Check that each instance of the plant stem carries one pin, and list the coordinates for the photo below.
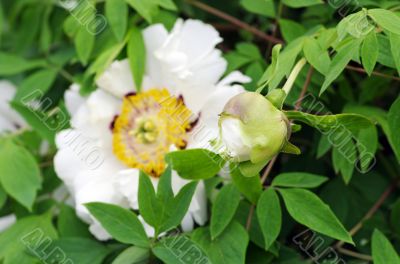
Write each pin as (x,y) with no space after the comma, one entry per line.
(305,87)
(354,254)
(370,212)
(293,75)
(240,24)
(361,70)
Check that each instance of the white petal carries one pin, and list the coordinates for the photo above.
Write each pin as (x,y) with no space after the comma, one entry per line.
(7,92)
(197,39)
(98,231)
(6,125)
(187,223)
(127,182)
(7,221)
(198,206)
(147,228)
(234,77)
(154,36)
(117,79)
(73,100)
(207,129)
(233,139)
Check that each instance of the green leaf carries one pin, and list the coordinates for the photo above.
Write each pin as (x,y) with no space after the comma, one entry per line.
(69,225)
(167,4)
(20,173)
(117,16)
(339,63)
(179,249)
(344,159)
(260,7)
(382,251)
(145,8)
(84,43)
(249,169)
(122,224)
(316,56)
(369,52)
(195,164)
(3,197)
(133,255)
(326,123)
(177,209)
(298,180)
(45,34)
(307,209)
(250,187)
(104,60)
(82,250)
(282,64)
(395,48)
(137,56)
(269,216)
(11,64)
(357,25)
(394,124)
(46,126)
(149,206)
(1,20)
(37,83)
(164,188)
(301,3)
(229,247)
(291,30)
(386,19)
(26,238)
(224,209)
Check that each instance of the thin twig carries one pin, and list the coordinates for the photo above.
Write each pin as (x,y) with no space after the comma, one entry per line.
(235,21)
(305,87)
(268,170)
(263,179)
(266,37)
(361,70)
(355,254)
(250,217)
(46,164)
(370,212)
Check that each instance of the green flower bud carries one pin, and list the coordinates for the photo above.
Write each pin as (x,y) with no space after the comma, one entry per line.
(252,128)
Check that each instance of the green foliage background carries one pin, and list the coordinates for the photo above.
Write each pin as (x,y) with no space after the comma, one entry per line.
(352,54)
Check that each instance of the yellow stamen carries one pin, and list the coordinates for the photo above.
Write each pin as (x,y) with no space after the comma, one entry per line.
(149,124)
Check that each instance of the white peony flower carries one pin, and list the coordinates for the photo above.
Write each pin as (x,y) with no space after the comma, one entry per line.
(115,132)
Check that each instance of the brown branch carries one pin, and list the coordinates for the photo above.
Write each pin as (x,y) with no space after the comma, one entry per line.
(235,21)
(370,212)
(250,217)
(361,70)
(305,87)
(354,254)
(266,37)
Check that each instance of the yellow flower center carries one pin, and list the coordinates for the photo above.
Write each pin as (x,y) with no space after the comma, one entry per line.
(149,124)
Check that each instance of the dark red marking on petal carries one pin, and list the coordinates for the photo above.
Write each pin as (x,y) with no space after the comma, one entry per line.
(130,94)
(112,124)
(180,98)
(194,123)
